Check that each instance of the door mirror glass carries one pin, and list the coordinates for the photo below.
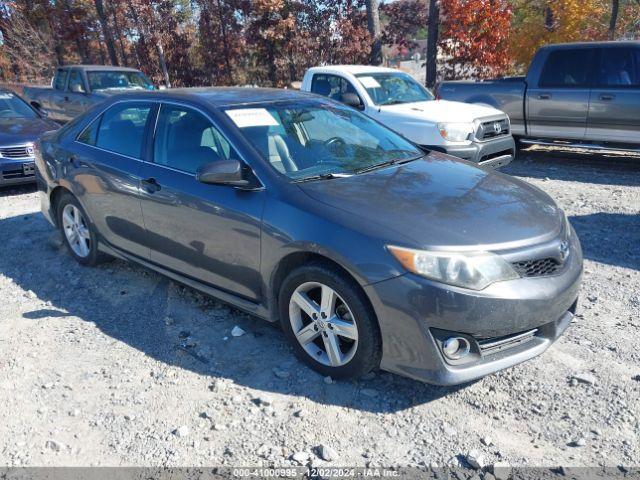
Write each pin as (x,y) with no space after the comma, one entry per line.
(222,172)
(76,88)
(352,100)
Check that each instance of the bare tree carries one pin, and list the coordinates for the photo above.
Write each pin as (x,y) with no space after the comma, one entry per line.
(373,23)
(106,31)
(615,8)
(433,23)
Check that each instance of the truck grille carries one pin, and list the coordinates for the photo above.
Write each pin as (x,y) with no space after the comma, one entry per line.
(493,129)
(537,268)
(24,151)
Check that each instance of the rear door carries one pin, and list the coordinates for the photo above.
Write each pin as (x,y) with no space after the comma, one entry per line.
(105,168)
(558,106)
(614,110)
(207,232)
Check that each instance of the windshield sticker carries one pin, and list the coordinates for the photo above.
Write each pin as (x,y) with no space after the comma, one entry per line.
(369,82)
(6,96)
(251,117)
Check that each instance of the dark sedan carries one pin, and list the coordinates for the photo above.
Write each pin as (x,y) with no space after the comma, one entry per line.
(20,127)
(369,251)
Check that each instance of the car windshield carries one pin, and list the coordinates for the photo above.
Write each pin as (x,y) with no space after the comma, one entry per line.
(107,80)
(308,140)
(390,88)
(11,106)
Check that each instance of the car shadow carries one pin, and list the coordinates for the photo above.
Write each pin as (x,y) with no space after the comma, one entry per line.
(586,167)
(611,238)
(178,326)
(14,190)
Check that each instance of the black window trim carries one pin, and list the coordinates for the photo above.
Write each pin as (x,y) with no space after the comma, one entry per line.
(590,73)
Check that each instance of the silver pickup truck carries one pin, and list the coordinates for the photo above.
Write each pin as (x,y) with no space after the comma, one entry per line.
(584,94)
(75,88)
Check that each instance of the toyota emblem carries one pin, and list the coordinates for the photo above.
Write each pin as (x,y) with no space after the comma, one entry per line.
(30,151)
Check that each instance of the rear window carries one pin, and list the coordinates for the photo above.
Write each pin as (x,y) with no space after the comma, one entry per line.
(568,68)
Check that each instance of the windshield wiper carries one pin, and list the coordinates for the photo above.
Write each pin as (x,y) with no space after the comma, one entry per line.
(322,176)
(393,161)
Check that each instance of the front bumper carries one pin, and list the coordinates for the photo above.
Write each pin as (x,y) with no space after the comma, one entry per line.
(16,172)
(411,309)
(492,153)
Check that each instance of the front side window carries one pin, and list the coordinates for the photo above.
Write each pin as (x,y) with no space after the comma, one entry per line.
(309,139)
(118,80)
(121,129)
(185,139)
(568,68)
(389,88)
(61,79)
(75,82)
(331,86)
(12,106)
(619,67)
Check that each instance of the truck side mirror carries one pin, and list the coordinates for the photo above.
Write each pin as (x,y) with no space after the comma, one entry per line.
(352,100)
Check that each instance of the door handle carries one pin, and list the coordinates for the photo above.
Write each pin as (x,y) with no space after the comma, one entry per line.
(544,96)
(74,161)
(150,185)
(607,97)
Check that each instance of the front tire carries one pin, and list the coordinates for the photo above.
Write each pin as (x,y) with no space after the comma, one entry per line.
(329,322)
(78,233)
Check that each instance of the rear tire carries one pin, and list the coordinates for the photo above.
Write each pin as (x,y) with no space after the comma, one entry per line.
(78,232)
(329,322)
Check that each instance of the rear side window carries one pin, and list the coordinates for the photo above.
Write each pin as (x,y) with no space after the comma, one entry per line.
(185,139)
(619,68)
(61,79)
(568,68)
(121,129)
(75,82)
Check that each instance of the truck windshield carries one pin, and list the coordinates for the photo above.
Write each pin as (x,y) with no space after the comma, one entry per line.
(310,140)
(390,88)
(106,80)
(13,107)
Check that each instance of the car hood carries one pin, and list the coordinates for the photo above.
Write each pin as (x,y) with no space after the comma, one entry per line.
(441,111)
(440,201)
(15,131)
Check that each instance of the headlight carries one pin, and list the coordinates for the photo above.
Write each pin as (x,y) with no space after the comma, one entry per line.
(455,132)
(474,270)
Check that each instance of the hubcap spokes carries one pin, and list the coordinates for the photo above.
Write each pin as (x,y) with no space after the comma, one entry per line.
(323,324)
(76,231)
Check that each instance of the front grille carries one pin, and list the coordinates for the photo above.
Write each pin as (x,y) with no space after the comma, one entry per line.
(537,268)
(496,344)
(16,152)
(493,129)
(23,171)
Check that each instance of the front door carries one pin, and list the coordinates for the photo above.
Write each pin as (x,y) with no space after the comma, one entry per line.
(614,110)
(558,106)
(75,99)
(210,233)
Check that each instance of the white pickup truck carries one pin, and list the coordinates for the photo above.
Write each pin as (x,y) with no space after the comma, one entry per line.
(476,133)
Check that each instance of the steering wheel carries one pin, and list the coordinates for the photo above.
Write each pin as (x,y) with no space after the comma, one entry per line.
(334,142)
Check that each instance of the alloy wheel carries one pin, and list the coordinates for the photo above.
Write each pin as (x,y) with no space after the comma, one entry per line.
(323,324)
(76,230)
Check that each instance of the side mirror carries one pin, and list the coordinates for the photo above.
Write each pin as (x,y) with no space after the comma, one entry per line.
(77,88)
(352,100)
(39,108)
(222,172)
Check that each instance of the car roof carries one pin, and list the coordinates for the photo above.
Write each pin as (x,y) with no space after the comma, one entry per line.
(99,67)
(617,43)
(221,96)
(352,69)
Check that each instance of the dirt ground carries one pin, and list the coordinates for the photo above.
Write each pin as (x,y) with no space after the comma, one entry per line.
(117,365)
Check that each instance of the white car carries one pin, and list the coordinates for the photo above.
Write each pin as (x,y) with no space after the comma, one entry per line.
(477,133)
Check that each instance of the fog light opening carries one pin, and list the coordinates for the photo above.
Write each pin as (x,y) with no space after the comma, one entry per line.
(455,348)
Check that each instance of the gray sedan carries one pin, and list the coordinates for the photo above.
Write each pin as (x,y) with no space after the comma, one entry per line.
(370,252)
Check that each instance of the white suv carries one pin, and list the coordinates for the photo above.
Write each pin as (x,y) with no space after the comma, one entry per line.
(477,133)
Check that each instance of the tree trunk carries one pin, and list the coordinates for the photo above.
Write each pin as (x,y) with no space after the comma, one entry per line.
(432,42)
(106,31)
(119,35)
(163,64)
(223,31)
(373,24)
(615,7)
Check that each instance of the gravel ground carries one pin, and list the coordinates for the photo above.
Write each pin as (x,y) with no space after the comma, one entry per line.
(119,366)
